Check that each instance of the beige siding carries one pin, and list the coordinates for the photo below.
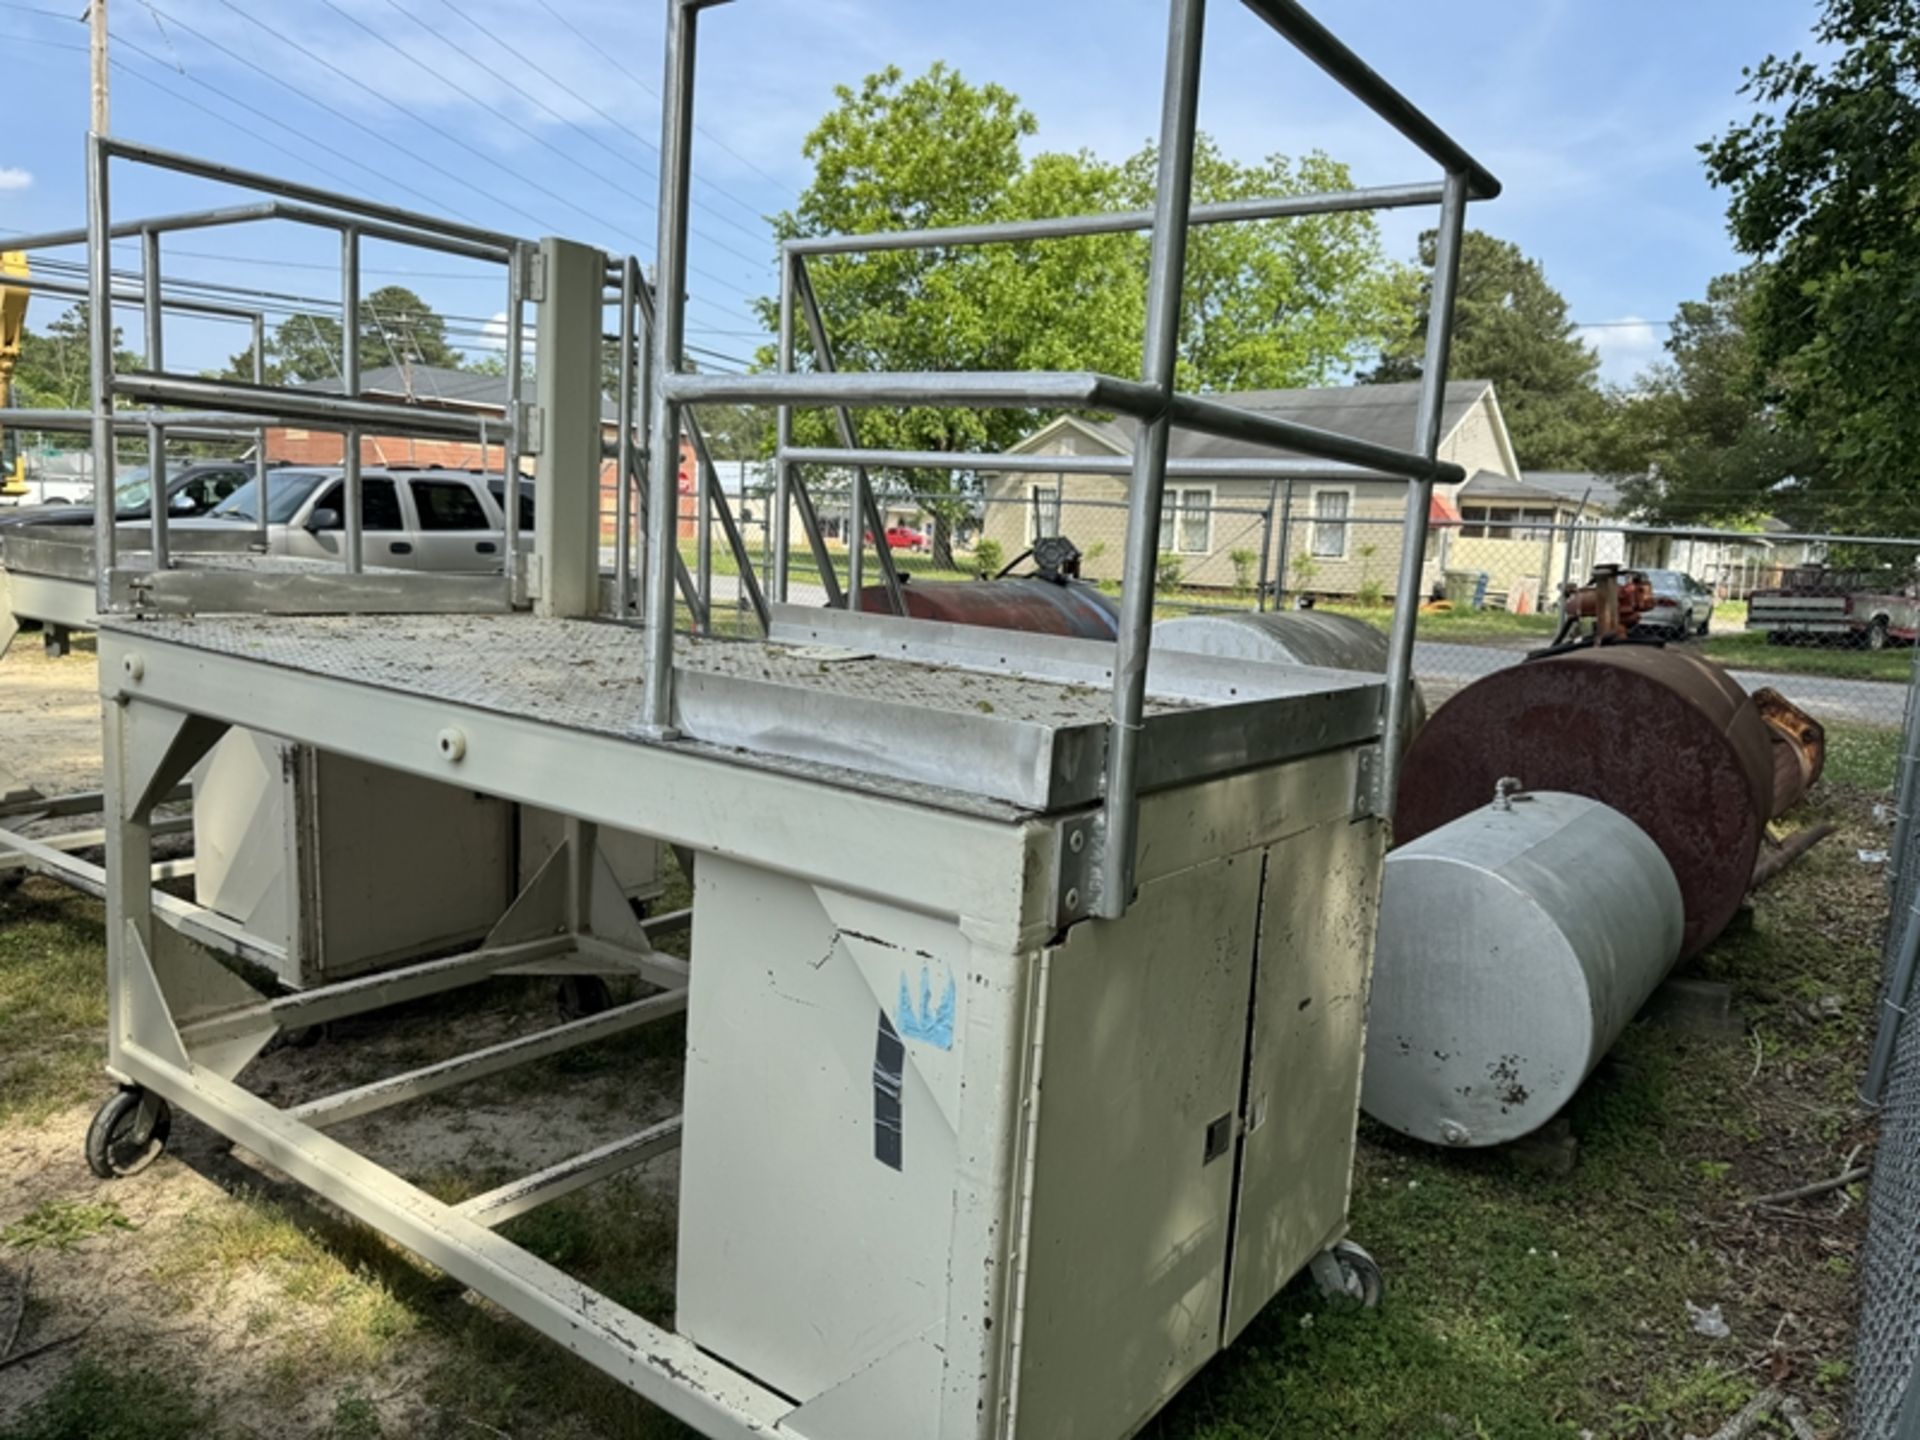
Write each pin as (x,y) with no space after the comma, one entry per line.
(1093,516)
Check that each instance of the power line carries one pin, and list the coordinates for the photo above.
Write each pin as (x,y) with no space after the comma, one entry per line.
(597,49)
(585,134)
(445,134)
(412,59)
(397,107)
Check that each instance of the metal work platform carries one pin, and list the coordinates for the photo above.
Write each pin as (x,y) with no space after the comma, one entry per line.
(977,722)
(1026,1002)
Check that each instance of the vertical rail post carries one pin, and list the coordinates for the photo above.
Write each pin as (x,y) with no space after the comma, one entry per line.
(1173,199)
(1286,539)
(100,361)
(350,383)
(623,461)
(516,421)
(857,537)
(155,327)
(778,522)
(703,525)
(1266,547)
(260,437)
(1413,542)
(643,454)
(670,318)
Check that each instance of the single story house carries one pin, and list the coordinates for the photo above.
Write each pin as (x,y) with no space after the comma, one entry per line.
(1337,533)
(1520,531)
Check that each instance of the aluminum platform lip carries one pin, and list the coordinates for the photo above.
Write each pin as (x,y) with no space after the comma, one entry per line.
(946,734)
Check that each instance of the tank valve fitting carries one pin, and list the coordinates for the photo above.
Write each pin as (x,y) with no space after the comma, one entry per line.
(1504,789)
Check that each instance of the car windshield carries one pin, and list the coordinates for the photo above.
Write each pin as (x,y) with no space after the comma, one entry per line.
(133,489)
(286,493)
(1671,581)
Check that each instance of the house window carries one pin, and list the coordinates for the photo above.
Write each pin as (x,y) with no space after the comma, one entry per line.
(1043,511)
(1330,511)
(1186,519)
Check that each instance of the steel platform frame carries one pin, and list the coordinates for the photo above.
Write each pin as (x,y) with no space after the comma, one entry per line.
(1152,400)
(181,1029)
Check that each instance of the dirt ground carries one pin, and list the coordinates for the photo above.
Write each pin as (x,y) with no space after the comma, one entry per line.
(1526,1297)
(49,717)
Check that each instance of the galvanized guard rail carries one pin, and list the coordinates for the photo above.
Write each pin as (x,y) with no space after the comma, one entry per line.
(1151,400)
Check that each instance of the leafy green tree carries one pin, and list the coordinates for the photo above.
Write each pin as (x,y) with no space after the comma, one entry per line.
(1271,304)
(1511,326)
(52,372)
(1699,438)
(397,327)
(1824,184)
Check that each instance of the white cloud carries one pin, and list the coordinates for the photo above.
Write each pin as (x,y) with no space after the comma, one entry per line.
(1626,346)
(12,177)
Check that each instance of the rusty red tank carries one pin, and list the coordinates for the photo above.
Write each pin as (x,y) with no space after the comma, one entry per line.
(1667,738)
(1033,603)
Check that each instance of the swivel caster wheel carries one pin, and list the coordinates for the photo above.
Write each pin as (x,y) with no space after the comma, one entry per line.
(128,1133)
(1346,1272)
(579,996)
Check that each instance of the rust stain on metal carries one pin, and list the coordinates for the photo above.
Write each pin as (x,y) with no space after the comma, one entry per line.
(1799,749)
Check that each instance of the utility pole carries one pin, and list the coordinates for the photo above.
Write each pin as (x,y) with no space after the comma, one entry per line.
(97,27)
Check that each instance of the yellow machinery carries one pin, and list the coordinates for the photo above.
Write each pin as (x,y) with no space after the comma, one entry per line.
(13,324)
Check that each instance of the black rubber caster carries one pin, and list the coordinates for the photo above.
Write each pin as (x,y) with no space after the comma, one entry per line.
(1348,1273)
(579,996)
(128,1134)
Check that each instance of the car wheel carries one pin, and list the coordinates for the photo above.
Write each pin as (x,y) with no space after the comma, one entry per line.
(1876,636)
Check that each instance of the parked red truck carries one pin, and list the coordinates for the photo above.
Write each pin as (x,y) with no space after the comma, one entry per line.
(1862,607)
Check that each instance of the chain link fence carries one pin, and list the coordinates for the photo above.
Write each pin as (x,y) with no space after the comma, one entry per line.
(1826,620)
(1887,1354)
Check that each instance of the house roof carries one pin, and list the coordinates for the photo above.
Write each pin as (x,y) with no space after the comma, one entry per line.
(1484,485)
(1600,490)
(1383,414)
(437,385)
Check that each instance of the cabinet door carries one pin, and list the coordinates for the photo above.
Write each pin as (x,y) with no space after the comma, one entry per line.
(1139,1080)
(1303,1070)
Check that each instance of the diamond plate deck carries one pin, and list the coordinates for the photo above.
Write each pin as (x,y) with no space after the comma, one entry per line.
(959,736)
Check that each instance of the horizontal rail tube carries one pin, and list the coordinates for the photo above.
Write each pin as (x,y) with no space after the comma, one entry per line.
(1189,412)
(178,422)
(291,190)
(1249,468)
(1321,46)
(496,1207)
(159,224)
(1278,207)
(991,389)
(384,416)
(522,1050)
(204,927)
(78,290)
(370,992)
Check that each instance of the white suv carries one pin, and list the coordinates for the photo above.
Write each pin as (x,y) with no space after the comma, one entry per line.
(445,520)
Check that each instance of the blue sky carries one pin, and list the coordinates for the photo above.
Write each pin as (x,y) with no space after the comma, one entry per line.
(1590,114)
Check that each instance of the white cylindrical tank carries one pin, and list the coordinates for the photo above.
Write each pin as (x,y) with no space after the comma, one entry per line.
(1515,943)
(1319,638)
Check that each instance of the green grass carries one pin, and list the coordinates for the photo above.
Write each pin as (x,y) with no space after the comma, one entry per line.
(95,1402)
(1750,651)
(53,1001)
(63,1223)
(1862,756)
